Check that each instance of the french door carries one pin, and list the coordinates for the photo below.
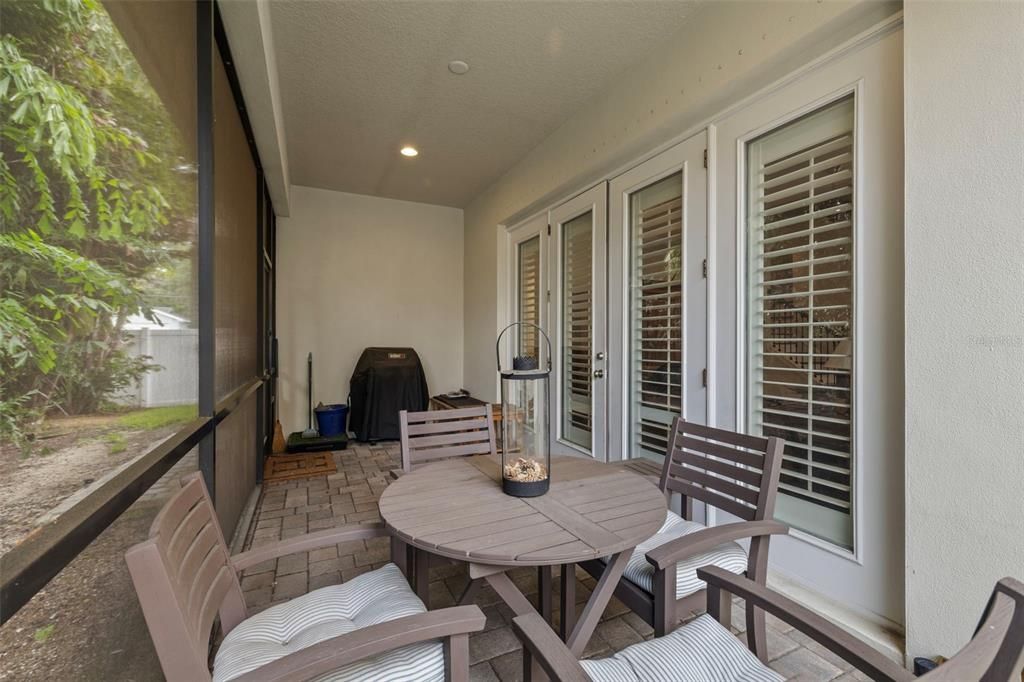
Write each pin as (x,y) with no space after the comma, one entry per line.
(657,313)
(578,324)
(617,278)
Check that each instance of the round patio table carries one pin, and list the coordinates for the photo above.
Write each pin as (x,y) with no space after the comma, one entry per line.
(456,509)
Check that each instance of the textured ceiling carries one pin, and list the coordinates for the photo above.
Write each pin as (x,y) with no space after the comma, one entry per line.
(360,78)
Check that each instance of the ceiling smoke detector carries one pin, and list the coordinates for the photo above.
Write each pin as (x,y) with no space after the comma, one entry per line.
(458,67)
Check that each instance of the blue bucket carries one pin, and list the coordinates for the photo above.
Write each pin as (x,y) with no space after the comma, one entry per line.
(330,419)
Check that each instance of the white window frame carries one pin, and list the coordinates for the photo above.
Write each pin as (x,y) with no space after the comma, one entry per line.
(743,310)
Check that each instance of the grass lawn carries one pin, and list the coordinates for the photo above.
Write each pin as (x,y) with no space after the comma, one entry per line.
(157,417)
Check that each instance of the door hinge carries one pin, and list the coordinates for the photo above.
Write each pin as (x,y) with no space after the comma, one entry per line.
(704,268)
(705,158)
(549,295)
(549,229)
(704,377)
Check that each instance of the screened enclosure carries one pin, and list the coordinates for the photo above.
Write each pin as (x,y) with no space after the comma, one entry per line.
(133,195)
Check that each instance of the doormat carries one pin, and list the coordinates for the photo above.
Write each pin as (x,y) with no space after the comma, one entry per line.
(288,467)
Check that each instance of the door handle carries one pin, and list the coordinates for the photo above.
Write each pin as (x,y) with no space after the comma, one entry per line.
(598,373)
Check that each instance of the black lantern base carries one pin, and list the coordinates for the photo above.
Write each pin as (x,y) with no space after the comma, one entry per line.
(525,488)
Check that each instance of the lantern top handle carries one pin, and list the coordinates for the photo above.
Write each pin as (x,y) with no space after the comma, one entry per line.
(497,344)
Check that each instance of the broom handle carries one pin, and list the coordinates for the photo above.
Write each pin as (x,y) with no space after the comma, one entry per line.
(309,390)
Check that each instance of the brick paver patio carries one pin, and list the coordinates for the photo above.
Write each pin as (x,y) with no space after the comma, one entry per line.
(293,508)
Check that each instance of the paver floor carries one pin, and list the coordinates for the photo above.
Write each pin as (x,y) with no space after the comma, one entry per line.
(293,508)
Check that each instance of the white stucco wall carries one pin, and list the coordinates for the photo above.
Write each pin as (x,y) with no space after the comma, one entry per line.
(964,107)
(357,271)
(727,51)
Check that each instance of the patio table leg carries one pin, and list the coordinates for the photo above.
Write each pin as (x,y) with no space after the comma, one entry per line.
(422,577)
(568,601)
(517,601)
(509,593)
(602,594)
(469,592)
(402,555)
(498,579)
(544,591)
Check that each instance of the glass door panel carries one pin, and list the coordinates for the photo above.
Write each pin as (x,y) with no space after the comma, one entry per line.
(576,340)
(578,262)
(657,299)
(529,296)
(656,314)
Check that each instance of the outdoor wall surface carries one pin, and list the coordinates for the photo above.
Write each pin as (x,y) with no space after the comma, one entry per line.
(357,271)
(964,97)
(727,51)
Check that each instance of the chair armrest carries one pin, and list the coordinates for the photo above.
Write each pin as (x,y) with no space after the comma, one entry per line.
(704,540)
(551,653)
(856,652)
(372,640)
(304,543)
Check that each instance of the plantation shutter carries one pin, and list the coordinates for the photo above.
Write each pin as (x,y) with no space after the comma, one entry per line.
(656,314)
(577,341)
(801,313)
(529,293)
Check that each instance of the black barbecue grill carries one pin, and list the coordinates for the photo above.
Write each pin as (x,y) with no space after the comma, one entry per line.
(385,382)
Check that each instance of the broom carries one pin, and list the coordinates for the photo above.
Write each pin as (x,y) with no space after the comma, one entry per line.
(310,431)
(278,444)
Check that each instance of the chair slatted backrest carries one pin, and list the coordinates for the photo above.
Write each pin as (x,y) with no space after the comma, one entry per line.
(735,472)
(184,578)
(441,434)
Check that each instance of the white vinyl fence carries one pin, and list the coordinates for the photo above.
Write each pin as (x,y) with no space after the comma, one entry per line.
(176,382)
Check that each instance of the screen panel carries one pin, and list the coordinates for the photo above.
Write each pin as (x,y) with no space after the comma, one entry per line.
(235,301)
(235,197)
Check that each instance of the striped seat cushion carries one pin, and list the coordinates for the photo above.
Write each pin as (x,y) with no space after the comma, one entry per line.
(731,556)
(370,598)
(700,651)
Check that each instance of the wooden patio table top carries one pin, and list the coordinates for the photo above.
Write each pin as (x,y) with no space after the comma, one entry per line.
(456,509)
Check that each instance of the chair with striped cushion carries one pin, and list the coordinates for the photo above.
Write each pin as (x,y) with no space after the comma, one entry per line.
(372,627)
(706,650)
(733,472)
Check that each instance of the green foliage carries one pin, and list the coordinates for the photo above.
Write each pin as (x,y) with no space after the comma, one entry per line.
(97,198)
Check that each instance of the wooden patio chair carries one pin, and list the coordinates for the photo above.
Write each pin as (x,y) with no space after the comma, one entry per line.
(442,434)
(373,626)
(734,472)
(706,650)
(432,436)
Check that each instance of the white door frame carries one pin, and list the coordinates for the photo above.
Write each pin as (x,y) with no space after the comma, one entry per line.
(594,200)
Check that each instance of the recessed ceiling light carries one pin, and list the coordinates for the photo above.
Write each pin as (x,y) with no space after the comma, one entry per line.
(409,151)
(458,67)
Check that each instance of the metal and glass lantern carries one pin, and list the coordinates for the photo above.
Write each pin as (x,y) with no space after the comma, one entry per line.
(525,417)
